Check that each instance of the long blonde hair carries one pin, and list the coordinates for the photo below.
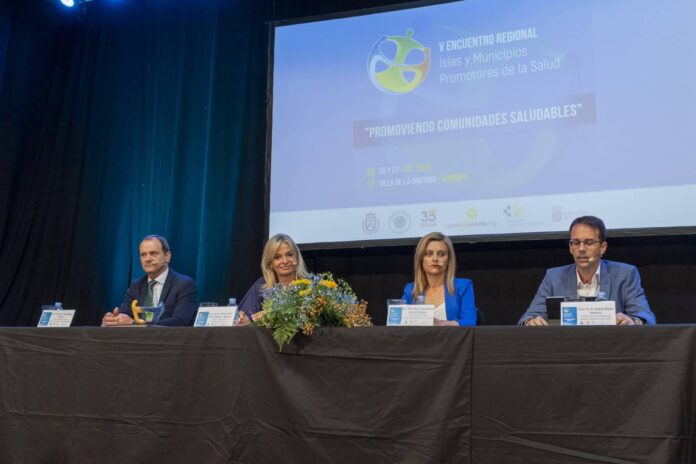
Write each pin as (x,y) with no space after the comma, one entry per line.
(269,251)
(420,281)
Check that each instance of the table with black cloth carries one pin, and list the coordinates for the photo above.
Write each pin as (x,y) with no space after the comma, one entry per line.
(367,395)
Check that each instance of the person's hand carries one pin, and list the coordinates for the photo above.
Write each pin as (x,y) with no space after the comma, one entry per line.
(114,319)
(442,322)
(536,321)
(243,319)
(110,319)
(256,316)
(623,319)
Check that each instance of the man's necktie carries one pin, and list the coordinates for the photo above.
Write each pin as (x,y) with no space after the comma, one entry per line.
(149,299)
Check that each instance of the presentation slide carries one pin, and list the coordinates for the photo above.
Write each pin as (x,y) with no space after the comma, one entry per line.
(484,118)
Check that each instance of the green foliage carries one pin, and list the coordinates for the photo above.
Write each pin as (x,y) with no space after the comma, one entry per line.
(318,301)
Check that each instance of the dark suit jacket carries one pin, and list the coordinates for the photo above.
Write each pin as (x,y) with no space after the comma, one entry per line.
(253,299)
(179,296)
(620,282)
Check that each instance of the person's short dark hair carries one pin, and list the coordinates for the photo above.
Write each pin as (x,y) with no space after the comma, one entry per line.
(162,240)
(593,222)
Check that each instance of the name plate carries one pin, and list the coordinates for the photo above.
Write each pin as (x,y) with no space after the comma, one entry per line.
(56,318)
(410,315)
(588,313)
(216,316)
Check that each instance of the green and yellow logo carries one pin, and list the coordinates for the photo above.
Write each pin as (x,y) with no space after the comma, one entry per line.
(397,65)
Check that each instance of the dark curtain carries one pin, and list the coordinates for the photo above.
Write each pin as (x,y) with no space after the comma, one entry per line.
(123,120)
(135,117)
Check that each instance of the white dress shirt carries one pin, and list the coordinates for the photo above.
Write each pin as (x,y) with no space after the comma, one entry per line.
(157,288)
(591,288)
(440,312)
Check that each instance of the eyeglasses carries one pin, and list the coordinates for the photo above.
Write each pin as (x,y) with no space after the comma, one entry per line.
(590,242)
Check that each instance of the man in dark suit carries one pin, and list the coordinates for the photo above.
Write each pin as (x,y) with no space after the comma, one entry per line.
(160,284)
(591,275)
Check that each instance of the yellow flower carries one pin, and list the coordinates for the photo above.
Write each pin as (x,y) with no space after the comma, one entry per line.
(304,292)
(328,283)
(301,282)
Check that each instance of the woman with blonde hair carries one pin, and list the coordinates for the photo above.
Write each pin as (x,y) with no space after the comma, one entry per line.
(434,283)
(281,263)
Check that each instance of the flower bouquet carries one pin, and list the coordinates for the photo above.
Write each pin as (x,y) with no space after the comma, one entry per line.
(318,301)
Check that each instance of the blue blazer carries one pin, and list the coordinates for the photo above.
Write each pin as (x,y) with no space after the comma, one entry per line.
(620,282)
(460,306)
(179,296)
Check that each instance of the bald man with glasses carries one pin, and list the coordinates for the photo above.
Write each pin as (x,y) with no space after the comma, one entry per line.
(591,275)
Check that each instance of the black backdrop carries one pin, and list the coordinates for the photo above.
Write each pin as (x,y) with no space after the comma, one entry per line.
(136,117)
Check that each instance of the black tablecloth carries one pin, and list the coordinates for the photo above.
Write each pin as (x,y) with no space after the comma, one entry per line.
(369,395)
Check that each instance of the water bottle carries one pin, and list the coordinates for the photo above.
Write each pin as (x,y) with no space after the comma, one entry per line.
(58,306)
(420,299)
(233,302)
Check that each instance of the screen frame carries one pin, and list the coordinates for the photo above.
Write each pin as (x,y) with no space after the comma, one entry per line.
(485,238)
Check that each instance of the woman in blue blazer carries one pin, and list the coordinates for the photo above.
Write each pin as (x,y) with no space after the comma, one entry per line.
(433,266)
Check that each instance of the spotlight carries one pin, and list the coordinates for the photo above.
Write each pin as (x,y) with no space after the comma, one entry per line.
(74,3)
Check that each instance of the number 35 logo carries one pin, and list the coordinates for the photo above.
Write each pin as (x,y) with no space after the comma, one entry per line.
(428,216)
